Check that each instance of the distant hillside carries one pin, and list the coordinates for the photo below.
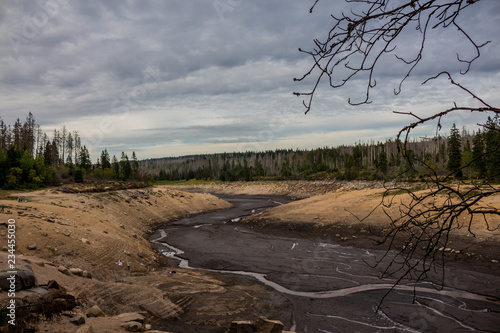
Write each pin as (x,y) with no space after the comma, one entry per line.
(369,161)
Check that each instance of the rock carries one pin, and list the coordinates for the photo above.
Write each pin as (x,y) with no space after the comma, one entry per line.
(85,241)
(95,311)
(494,261)
(14,280)
(27,276)
(32,247)
(52,284)
(122,226)
(76,271)
(86,274)
(22,278)
(85,329)
(264,325)
(132,326)
(67,233)
(63,270)
(241,327)
(78,320)
(131,316)
(57,299)
(70,314)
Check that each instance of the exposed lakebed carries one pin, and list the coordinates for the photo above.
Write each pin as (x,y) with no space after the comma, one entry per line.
(331,287)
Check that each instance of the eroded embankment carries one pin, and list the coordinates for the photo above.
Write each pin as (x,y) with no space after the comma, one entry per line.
(93,231)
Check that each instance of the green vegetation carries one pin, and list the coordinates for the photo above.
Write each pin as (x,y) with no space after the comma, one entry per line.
(443,157)
(29,159)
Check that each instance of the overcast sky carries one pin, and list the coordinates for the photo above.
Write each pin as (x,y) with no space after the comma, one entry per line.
(170,78)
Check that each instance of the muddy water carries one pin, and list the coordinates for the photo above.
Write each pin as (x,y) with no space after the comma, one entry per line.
(333,288)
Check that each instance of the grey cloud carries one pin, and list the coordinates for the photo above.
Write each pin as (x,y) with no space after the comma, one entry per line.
(91,59)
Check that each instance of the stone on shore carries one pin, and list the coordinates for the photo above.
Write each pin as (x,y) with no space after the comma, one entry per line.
(24,278)
(95,311)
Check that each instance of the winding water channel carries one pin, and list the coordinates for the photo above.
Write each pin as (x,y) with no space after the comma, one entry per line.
(332,287)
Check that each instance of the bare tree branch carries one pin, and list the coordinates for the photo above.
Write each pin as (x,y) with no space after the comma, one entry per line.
(421,228)
(357,41)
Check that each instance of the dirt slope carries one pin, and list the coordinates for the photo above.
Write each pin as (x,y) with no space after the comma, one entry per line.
(92,231)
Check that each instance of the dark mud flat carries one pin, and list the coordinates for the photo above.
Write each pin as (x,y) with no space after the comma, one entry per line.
(320,285)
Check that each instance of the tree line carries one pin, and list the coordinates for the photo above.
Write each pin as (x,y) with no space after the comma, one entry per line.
(29,158)
(462,154)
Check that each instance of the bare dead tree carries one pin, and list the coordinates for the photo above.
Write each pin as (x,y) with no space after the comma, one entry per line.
(353,49)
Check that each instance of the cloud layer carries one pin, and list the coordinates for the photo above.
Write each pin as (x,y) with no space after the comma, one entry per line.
(173,78)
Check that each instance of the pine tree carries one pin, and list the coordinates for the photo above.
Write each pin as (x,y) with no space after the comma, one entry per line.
(115,166)
(492,147)
(105,162)
(85,161)
(455,152)
(479,163)
(135,166)
(125,167)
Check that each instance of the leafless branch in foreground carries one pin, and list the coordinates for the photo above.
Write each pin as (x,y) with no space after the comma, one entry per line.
(421,221)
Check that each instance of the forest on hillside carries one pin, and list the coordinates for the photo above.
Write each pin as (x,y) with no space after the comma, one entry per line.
(29,158)
(459,155)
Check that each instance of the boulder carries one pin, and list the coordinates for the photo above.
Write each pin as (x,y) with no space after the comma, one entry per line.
(77,320)
(241,327)
(131,316)
(86,274)
(95,311)
(132,326)
(6,281)
(23,278)
(27,276)
(56,300)
(32,247)
(63,270)
(264,325)
(76,271)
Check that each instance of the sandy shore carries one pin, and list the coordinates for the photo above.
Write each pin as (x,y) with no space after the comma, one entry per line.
(93,231)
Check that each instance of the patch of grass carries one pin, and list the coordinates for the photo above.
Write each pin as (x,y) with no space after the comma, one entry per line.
(52,250)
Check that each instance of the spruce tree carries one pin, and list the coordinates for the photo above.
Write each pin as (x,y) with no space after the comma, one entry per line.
(492,146)
(479,163)
(455,152)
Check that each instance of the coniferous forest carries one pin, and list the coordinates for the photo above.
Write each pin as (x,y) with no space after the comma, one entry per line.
(459,155)
(29,158)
